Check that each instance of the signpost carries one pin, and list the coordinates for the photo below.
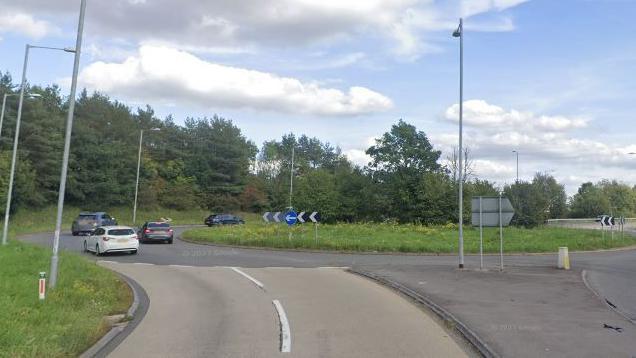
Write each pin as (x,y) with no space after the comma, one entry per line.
(491,211)
(610,221)
(291,217)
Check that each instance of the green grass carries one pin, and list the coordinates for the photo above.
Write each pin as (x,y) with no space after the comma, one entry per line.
(373,237)
(42,220)
(70,319)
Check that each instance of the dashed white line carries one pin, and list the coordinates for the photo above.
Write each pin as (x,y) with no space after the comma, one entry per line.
(334,267)
(285,331)
(180,265)
(142,263)
(107,261)
(255,281)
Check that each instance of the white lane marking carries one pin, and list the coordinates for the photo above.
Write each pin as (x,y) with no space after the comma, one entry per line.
(285,331)
(143,263)
(255,281)
(107,261)
(180,265)
(334,267)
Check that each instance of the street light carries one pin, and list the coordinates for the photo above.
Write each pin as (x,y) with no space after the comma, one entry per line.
(67,145)
(517,153)
(4,102)
(141,138)
(460,33)
(17,134)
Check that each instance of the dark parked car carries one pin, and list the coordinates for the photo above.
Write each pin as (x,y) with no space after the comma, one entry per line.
(208,220)
(227,219)
(86,222)
(156,231)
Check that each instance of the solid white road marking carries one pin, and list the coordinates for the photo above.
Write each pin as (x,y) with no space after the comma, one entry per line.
(143,263)
(180,265)
(334,267)
(255,281)
(285,331)
(107,261)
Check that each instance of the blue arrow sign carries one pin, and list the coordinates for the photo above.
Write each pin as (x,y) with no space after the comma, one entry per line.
(291,217)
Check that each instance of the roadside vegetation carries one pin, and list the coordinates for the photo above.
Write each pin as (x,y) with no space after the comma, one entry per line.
(207,163)
(43,220)
(373,237)
(70,320)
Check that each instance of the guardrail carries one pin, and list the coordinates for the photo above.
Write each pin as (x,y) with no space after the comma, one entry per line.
(586,223)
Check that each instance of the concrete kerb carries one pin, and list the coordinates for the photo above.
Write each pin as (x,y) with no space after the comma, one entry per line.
(98,348)
(482,347)
(603,299)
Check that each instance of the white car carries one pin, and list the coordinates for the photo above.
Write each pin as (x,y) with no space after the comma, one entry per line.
(112,239)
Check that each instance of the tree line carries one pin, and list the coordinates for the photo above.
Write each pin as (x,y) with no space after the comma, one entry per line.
(209,163)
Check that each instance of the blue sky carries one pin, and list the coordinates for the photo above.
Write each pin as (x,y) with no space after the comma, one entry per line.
(551,79)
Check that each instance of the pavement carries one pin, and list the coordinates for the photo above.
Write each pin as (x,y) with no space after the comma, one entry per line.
(531,309)
(229,312)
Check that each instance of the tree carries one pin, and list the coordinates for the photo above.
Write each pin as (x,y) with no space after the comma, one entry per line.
(589,202)
(405,169)
(467,164)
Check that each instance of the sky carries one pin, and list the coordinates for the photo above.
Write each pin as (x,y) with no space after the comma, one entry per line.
(553,80)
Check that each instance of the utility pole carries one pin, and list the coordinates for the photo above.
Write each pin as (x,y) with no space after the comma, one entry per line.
(460,33)
(67,147)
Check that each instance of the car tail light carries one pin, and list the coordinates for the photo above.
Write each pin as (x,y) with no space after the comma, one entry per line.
(169,230)
(105,238)
(147,231)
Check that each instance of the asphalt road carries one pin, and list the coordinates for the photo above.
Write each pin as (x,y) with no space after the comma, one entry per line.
(611,274)
(220,312)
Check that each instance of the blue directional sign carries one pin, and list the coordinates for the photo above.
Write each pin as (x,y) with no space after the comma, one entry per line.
(291,217)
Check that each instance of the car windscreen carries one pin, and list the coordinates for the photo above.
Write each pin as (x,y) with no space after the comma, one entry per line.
(121,232)
(159,225)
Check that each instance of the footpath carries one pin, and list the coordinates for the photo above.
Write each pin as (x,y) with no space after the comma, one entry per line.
(524,311)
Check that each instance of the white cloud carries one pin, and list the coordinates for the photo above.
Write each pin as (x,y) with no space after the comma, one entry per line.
(280,23)
(168,75)
(545,144)
(358,157)
(479,113)
(26,24)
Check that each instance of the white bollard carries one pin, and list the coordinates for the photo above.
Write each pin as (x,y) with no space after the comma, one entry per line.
(564,258)
(42,286)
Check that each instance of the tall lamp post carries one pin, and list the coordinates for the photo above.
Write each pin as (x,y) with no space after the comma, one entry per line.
(67,146)
(460,33)
(517,153)
(141,139)
(18,121)
(4,103)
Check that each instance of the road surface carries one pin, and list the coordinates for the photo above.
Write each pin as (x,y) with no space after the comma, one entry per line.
(229,312)
(611,274)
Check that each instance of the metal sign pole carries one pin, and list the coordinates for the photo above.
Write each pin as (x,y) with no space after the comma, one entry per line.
(500,236)
(481,237)
(316,234)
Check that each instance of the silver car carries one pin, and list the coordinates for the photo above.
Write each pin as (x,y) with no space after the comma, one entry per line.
(86,222)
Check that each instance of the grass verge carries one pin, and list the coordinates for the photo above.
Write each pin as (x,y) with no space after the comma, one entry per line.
(70,320)
(374,237)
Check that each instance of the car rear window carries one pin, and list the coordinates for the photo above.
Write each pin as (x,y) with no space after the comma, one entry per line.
(121,232)
(88,217)
(159,225)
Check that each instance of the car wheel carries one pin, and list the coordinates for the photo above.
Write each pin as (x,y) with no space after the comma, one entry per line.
(85,246)
(74,233)
(97,253)
(133,252)
(170,241)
